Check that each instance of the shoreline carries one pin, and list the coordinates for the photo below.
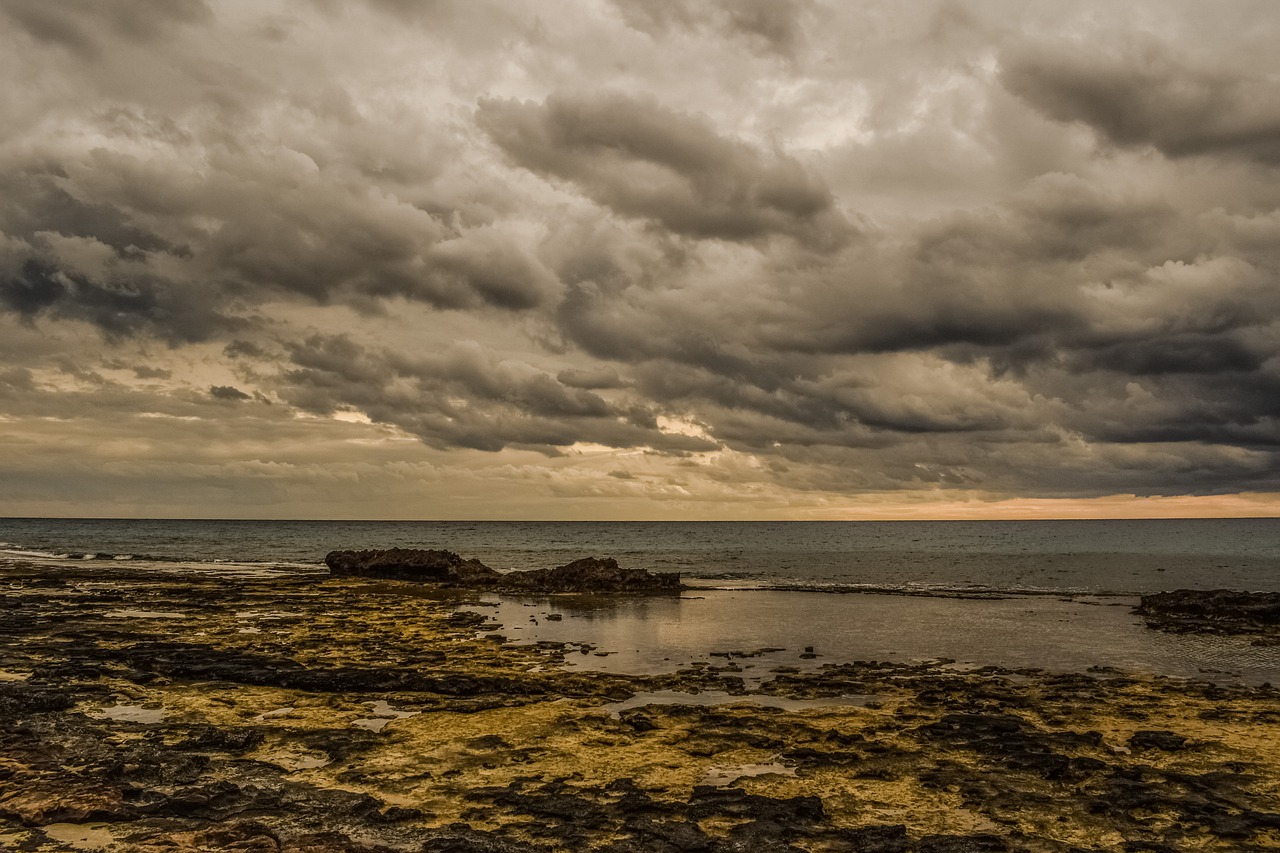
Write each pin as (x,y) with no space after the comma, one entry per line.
(694,582)
(295,713)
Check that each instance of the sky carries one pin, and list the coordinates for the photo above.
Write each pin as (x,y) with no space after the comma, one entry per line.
(639,259)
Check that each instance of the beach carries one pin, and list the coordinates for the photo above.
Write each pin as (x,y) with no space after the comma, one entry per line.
(639,426)
(159,710)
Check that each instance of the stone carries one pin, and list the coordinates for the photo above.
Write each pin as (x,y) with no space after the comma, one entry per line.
(1218,611)
(411,564)
(1162,740)
(590,574)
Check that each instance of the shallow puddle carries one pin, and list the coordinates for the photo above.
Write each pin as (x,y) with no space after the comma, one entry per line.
(383,713)
(130,714)
(80,836)
(760,630)
(295,762)
(728,774)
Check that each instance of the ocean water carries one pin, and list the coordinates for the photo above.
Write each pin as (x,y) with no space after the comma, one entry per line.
(1061,593)
(1099,557)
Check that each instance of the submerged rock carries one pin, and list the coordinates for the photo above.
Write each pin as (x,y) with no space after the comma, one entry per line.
(590,574)
(1216,611)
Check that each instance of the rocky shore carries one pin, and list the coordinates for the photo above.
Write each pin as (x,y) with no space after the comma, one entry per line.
(1214,611)
(590,574)
(142,711)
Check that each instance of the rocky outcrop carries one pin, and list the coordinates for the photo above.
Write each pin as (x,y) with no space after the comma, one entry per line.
(409,564)
(589,574)
(1212,611)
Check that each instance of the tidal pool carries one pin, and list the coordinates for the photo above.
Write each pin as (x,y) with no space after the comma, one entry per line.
(756,631)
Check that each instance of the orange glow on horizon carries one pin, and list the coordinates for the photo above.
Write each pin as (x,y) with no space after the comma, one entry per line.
(1243,505)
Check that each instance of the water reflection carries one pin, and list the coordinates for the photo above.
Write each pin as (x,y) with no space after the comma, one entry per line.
(757,631)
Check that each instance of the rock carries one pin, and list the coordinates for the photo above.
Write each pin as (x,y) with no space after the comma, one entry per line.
(882,838)
(1217,611)
(410,564)
(589,574)
(1014,743)
(1162,740)
(712,801)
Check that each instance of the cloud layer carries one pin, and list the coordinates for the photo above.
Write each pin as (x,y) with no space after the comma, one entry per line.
(635,259)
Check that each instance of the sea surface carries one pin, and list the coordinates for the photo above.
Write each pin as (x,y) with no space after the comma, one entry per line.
(1057,595)
(1107,557)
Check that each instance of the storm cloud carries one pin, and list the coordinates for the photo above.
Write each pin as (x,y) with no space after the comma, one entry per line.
(640,159)
(1143,92)
(679,259)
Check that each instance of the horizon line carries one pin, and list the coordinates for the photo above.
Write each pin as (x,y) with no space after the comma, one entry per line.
(635,520)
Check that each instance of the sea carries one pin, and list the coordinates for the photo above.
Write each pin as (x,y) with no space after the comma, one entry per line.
(1087,556)
(1057,595)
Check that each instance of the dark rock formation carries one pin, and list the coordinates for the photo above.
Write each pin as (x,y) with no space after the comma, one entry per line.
(409,564)
(1213,611)
(589,574)
(1157,739)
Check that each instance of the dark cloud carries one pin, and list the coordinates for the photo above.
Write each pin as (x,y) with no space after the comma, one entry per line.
(1142,92)
(776,26)
(80,25)
(644,160)
(593,378)
(121,303)
(227,392)
(243,349)
(464,397)
(85,245)
(35,202)
(1188,353)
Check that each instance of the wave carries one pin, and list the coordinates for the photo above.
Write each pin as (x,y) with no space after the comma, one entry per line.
(11,552)
(14,551)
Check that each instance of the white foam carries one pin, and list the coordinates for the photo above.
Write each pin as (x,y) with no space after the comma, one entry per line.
(36,555)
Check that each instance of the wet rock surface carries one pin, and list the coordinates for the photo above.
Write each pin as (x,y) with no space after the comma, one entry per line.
(408,564)
(147,712)
(590,574)
(1214,611)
